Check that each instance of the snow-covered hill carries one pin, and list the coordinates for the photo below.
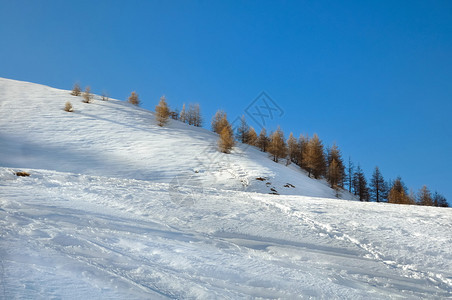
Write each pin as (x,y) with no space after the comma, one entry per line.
(116,139)
(118,207)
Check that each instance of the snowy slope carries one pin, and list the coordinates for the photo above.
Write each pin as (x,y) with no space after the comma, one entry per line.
(86,237)
(117,207)
(117,139)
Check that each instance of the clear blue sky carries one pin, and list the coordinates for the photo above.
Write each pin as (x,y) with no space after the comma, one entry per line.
(373,76)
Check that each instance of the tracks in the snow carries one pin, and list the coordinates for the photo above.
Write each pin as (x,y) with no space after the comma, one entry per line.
(407,270)
(82,249)
(71,235)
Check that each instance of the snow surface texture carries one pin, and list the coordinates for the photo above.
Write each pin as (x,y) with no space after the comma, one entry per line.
(117,207)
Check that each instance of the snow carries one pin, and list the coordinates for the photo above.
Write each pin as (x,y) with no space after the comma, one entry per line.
(116,139)
(117,207)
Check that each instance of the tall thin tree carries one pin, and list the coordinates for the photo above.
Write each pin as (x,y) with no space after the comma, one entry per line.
(336,176)
(302,145)
(277,146)
(377,186)
(361,188)
(398,193)
(439,200)
(197,113)
(218,121)
(350,172)
(314,157)
(183,114)
(262,140)
(252,137)
(242,131)
(194,115)
(292,149)
(162,112)
(333,174)
(425,197)
(226,138)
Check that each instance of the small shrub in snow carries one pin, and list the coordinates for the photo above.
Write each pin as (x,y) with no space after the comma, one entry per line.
(105,97)
(133,98)
(76,90)
(87,96)
(68,107)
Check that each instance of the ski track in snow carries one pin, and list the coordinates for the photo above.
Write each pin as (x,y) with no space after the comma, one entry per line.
(112,226)
(409,270)
(116,208)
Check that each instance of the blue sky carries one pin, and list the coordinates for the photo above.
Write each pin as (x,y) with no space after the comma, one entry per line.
(373,76)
